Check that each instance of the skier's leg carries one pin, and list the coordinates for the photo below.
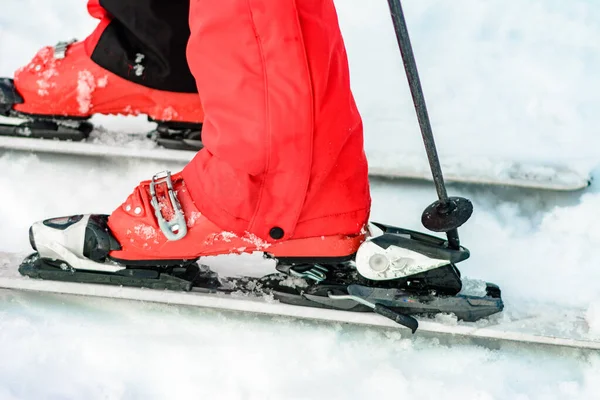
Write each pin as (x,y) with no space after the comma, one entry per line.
(284,152)
(133,63)
(283,170)
(284,137)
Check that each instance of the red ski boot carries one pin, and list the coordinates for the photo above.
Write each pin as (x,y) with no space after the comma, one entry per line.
(160,225)
(54,95)
(159,221)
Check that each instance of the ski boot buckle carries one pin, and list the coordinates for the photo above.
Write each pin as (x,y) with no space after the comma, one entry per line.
(60,49)
(176,228)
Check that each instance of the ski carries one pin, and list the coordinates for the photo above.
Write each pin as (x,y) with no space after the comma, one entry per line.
(241,294)
(383,276)
(177,143)
(477,170)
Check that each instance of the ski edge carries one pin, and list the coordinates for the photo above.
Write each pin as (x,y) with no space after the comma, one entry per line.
(93,149)
(576,182)
(274,308)
(579,182)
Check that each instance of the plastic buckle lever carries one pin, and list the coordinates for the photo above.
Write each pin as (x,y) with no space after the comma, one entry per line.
(60,50)
(176,228)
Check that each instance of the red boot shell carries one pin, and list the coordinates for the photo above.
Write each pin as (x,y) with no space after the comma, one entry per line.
(75,86)
(135,226)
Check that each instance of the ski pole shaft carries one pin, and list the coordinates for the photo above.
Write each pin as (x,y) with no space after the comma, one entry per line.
(410,66)
(450,212)
(453,240)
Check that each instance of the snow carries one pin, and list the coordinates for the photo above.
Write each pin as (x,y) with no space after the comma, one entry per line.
(500,79)
(86,84)
(147,231)
(156,352)
(592,317)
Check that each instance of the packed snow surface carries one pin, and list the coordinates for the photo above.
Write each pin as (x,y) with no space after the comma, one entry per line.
(499,78)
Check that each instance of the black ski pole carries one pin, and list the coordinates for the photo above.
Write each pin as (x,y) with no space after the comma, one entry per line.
(447,213)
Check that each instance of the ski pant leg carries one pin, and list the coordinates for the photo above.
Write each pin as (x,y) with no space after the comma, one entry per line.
(283,140)
(150,33)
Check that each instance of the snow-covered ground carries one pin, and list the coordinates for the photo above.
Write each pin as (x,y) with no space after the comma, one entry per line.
(500,78)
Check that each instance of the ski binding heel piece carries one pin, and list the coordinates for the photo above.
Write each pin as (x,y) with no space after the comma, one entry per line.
(176,228)
(8,96)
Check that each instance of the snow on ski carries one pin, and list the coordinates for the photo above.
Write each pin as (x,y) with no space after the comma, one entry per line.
(529,331)
(482,171)
(474,170)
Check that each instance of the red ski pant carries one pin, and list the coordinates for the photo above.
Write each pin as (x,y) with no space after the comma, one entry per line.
(283,138)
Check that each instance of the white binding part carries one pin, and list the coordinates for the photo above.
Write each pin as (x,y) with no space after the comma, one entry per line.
(378,264)
(67,245)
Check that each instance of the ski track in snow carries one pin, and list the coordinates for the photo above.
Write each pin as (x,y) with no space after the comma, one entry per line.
(499,79)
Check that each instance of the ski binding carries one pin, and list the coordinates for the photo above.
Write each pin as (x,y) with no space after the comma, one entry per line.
(396,273)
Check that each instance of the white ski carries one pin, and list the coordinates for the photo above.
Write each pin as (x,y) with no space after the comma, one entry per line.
(481,170)
(529,330)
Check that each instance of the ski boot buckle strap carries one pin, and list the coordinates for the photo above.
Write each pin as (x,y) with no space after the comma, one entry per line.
(176,228)
(60,50)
